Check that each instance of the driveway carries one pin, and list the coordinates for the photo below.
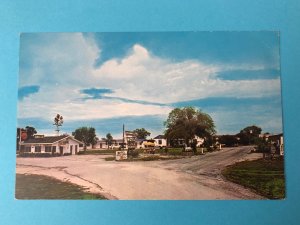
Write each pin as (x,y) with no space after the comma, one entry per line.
(196,177)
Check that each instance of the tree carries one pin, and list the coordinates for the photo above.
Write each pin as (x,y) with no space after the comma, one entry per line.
(31,131)
(87,135)
(185,123)
(58,121)
(228,140)
(249,135)
(24,134)
(109,139)
(141,133)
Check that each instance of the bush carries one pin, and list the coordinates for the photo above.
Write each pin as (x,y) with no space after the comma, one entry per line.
(133,153)
(263,147)
(91,152)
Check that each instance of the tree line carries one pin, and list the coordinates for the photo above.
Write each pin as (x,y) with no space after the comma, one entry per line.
(185,123)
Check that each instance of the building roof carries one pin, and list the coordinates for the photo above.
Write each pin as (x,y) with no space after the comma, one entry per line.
(48,139)
(274,136)
(160,137)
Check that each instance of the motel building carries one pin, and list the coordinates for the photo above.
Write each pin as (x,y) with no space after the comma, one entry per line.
(160,141)
(63,144)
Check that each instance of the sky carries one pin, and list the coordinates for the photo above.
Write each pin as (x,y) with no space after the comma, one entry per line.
(105,80)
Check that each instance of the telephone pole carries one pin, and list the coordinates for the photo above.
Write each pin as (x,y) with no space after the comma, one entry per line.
(123,145)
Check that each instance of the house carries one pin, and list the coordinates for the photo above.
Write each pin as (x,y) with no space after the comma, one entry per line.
(140,143)
(100,144)
(160,141)
(180,142)
(117,144)
(103,144)
(63,144)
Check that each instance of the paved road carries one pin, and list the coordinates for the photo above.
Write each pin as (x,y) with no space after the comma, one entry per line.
(196,177)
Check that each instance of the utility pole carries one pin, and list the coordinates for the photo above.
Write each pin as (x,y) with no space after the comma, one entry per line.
(123,145)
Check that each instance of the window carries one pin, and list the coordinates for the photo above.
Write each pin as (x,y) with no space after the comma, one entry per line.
(48,148)
(38,149)
(27,149)
(53,148)
(159,142)
(71,147)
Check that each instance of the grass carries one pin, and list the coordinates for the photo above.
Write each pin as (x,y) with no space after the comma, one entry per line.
(170,151)
(111,158)
(266,177)
(157,157)
(177,151)
(44,187)
(145,158)
(98,152)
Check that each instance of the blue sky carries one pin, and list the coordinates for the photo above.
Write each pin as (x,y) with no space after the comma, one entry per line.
(107,79)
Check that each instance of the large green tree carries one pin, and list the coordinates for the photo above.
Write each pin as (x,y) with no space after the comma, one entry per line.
(249,135)
(87,135)
(187,122)
(141,133)
(31,131)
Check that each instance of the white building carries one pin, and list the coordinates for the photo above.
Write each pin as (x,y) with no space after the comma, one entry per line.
(160,141)
(63,144)
(199,140)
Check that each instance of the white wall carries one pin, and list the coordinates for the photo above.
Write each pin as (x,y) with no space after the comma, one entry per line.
(67,147)
(163,142)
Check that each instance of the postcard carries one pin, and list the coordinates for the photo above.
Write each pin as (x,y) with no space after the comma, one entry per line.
(150,116)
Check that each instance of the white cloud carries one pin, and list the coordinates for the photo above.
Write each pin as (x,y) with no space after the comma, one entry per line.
(63,64)
(141,76)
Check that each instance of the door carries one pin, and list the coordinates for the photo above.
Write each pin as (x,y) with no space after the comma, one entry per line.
(76,149)
(61,150)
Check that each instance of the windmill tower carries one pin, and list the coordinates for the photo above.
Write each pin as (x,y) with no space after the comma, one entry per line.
(58,121)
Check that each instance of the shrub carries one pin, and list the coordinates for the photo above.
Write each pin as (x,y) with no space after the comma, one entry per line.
(133,153)
(263,147)
(38,154)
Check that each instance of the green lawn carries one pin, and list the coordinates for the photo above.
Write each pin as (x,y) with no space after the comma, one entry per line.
(44,187)
(266,177)
(170,151)
(98,152)
(177,151)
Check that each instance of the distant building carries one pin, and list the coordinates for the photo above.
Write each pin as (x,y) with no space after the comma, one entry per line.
(160,141)
(180,142)
(103,144)
(277,141)
(63,144)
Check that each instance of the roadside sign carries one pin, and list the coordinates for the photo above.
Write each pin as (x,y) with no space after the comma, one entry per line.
(121,155)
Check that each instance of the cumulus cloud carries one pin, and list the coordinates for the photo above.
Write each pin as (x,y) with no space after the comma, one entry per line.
(141,75)
(139,83)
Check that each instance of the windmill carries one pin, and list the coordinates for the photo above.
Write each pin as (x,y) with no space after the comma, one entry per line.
(58,121)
